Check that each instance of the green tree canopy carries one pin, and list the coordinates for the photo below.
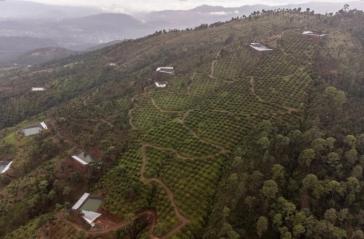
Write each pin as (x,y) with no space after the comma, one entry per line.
(262,225)
(270,189)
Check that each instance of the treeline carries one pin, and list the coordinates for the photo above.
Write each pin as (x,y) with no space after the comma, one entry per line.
(294,184)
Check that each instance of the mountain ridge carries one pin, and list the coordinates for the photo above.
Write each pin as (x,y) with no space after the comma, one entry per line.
(79,33)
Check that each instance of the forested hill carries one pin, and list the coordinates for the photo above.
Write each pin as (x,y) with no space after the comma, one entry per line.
(237,143)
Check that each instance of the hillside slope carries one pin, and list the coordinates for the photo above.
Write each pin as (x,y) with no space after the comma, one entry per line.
(239,144)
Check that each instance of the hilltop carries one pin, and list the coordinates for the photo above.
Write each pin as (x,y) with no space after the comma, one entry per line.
(82,28)
(236,143)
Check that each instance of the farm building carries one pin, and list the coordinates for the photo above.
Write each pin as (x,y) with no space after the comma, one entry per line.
(259,47)
(38,89)
(166,69)
(312,34)
(160,84)
(44,125)
(88,206)
(5,166)
(34,130)
(83,158)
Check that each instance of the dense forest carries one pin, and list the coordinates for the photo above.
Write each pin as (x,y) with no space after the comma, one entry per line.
(239,144)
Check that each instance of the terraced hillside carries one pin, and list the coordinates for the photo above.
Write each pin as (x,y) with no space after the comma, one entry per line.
(170,153)
(194,124)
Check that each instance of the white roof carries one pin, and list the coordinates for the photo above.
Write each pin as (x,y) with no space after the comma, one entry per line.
(310,33)
(44,126)
(160,85)
(81,201)
(90,217)
(78,159)
(166,69)
(38,89)
(259,47)
(32,131)
(6,168)
(307,32)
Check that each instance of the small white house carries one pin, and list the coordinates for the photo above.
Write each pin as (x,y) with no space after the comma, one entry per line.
(259,47)
(88,208)
(38,89)
(44,126)
(166,69)
(311,33)
(91,217)
(160,85)
(81,201)
(5,166)
(83,159)
(35,130)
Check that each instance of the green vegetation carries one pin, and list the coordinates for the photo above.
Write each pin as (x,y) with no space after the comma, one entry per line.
(240,144)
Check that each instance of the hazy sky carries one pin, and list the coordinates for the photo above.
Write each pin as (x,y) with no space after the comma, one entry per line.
(148,5)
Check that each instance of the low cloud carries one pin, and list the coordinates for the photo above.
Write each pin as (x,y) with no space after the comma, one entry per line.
(154,5)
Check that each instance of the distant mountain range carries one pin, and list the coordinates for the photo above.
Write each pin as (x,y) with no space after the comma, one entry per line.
(35,25)
(15,9)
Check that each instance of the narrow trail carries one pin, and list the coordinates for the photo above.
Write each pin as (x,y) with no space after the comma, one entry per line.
(213,65)
(185,115)
(222,149)
(189,86)
(179,155)
(130,114)
(162,110)
(212,71)
(183,220)
(252,89)
(290,110)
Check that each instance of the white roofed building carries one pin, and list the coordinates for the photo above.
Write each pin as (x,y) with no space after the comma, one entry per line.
(83,158)
(44,126)
(5,166)
(81,201)
(166,69)
(35,130)
(88,207)
(90,217)
(38,89)
(160,84)
(259,47)
(311,33)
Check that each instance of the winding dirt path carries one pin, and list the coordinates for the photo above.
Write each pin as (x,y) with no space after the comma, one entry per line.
(183,220)
(189,86)
(162,110)
(130,114)
(222,149)
(252,89)
(213,65)
(290,110)
(212,71)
